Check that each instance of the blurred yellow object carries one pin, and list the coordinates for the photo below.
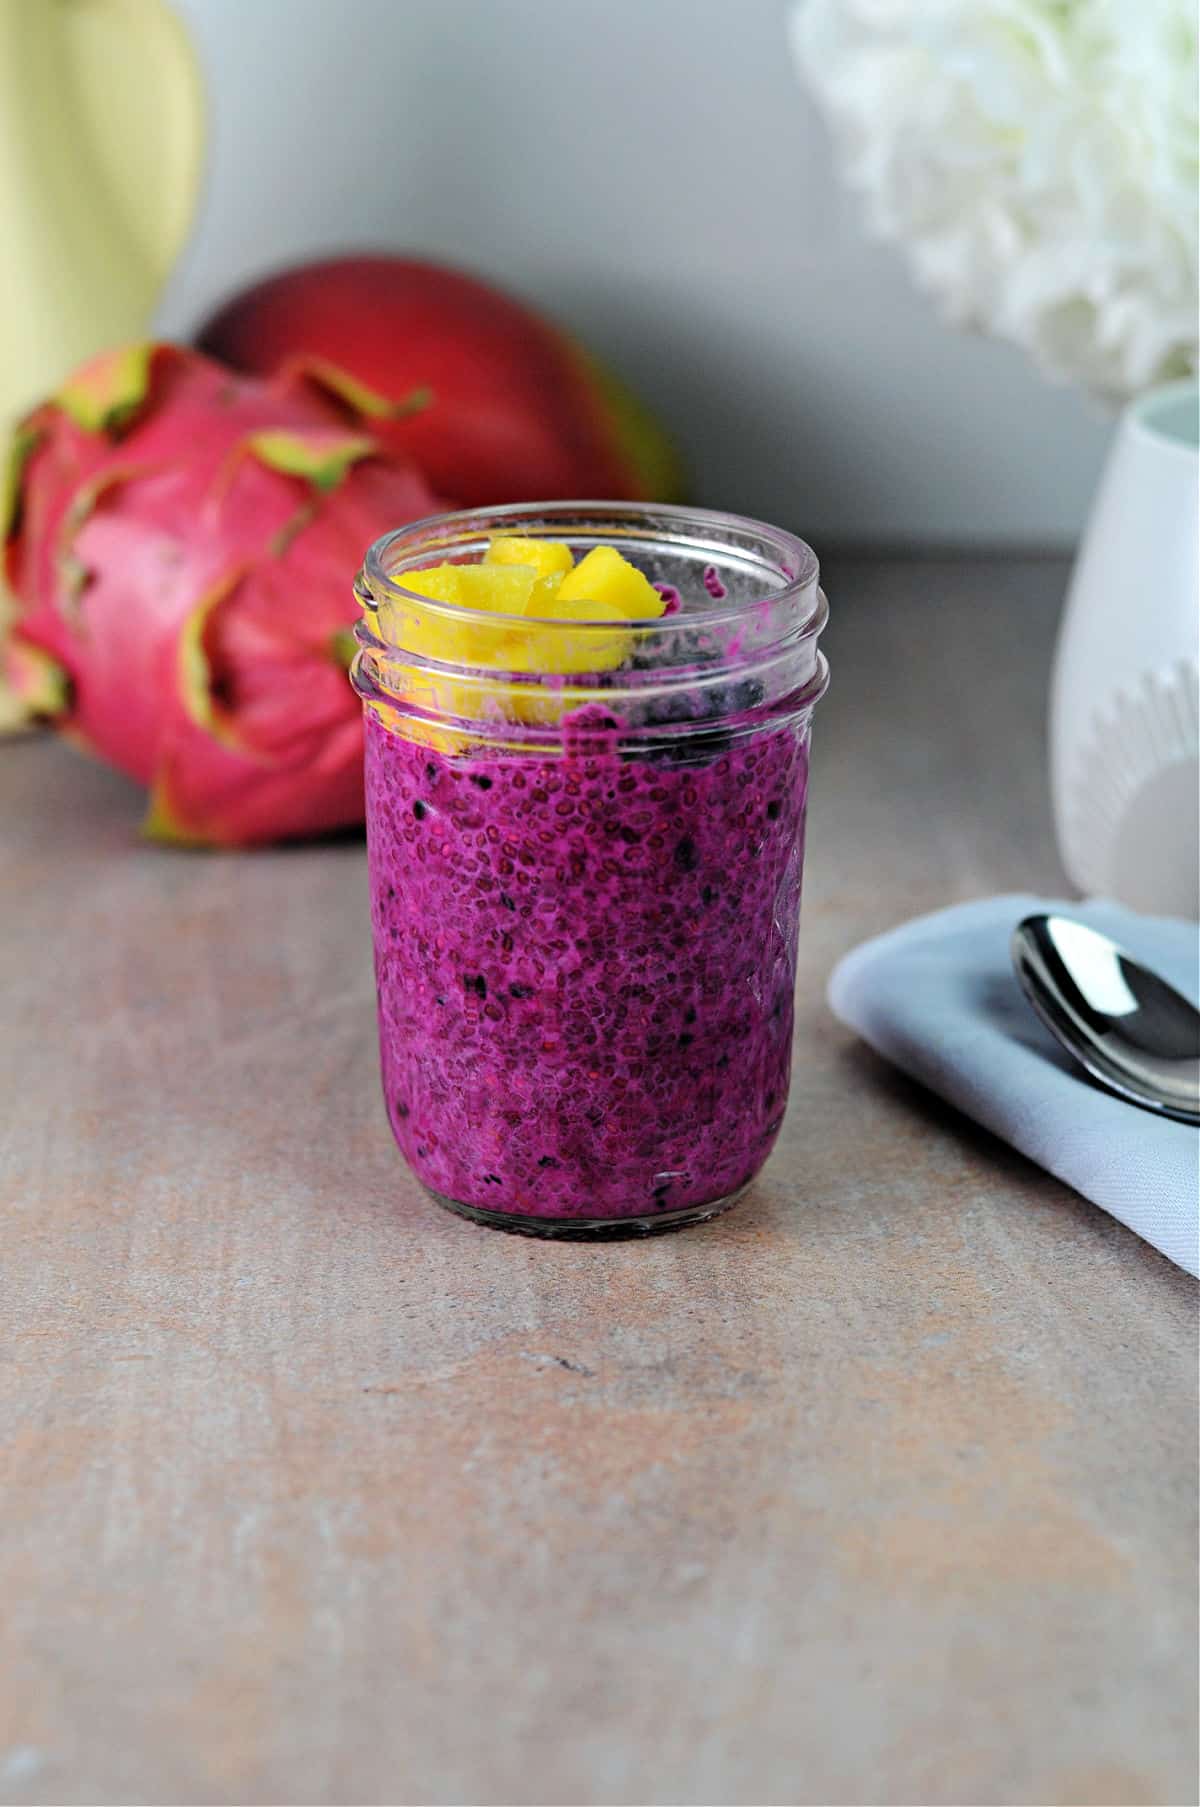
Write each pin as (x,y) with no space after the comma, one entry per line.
(102,125)
(101,147)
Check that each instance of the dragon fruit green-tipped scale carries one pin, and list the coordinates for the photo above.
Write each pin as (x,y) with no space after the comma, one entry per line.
(585,821)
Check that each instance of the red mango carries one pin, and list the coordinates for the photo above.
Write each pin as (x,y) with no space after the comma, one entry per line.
(517,410)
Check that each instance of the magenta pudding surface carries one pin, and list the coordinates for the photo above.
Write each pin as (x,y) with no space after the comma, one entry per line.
(585,966)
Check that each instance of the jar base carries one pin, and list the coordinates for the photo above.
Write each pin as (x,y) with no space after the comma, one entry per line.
(588,1229)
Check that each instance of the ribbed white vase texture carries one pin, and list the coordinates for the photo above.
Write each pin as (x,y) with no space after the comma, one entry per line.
(1125,697)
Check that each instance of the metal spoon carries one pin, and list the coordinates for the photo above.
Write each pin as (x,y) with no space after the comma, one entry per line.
(1131,1030)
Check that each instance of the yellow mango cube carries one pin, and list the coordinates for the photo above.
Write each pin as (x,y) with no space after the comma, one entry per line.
(481,642)
(561,649)
(549,558)
(495,590)
(605,577)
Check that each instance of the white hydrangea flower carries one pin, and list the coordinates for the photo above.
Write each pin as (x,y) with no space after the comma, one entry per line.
(1038,161)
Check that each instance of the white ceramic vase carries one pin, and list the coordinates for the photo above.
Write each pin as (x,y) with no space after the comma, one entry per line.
(1125,700)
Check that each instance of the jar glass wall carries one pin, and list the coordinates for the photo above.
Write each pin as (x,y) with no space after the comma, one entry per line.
(586,866)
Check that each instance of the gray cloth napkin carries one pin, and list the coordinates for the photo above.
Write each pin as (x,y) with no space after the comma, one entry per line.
(939,998)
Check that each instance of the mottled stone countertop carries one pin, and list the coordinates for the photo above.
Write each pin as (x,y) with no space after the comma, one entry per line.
(879,1490)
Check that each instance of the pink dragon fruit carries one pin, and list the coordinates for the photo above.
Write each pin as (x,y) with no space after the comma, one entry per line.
(181,543)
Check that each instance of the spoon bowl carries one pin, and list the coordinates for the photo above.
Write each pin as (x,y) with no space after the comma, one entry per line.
(1134,1033)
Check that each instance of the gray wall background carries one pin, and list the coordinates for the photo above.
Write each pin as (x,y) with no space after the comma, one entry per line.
(651,173)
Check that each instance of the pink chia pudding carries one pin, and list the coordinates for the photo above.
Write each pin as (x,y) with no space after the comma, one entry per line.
(585,949)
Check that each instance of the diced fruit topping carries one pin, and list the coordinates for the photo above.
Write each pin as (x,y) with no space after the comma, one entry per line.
(535,579)
(605,577)
(548,557)
(559,648)
(485,591)
(500,590)
(530,579)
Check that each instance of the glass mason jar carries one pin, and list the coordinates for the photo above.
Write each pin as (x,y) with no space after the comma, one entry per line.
(585,845)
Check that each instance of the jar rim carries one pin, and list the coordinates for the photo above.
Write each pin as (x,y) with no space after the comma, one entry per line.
(795,562)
